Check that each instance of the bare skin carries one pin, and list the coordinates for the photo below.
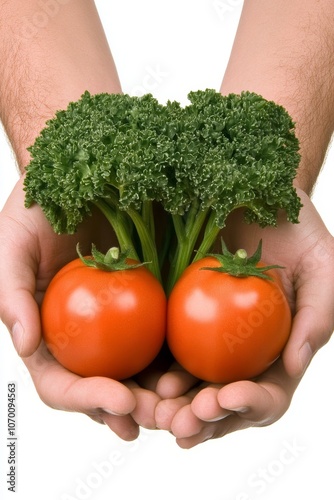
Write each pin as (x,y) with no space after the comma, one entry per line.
(293,68)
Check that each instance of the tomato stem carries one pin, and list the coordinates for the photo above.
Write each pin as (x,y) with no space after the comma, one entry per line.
(241,256)
(240,265)
(113,260)
(113,253)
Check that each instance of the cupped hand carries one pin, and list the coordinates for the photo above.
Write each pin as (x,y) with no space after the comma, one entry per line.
(209,411)
(123,406)
(195,412)
(30,254)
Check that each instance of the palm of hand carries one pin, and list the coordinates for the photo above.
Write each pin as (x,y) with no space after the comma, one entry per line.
(306,250)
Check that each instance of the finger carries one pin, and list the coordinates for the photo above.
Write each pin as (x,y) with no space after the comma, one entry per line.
(104,400)
(206,407)
(124,426)
(23,322)
(243,404)
(166,410)
(146,402)
(190,431)
(306,338)
(18,309)
(261,402)
(314,320)
(175,382)
(212,430)
(185,424)
(64,390)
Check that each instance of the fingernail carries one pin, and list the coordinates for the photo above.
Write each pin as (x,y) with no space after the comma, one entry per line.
(18,336)
(220,417)
(114,413)
(305,356)
(240,409)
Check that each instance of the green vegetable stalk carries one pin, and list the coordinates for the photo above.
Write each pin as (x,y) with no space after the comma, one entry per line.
(200,162)
(241,151)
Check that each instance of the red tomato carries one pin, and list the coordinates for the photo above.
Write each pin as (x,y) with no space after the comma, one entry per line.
(222,328)
(99,323)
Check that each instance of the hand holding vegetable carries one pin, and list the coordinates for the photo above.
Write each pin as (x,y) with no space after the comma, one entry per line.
(195,414)
(123,155)
(30,255)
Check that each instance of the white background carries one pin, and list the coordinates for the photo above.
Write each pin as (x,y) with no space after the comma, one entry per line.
(169,48)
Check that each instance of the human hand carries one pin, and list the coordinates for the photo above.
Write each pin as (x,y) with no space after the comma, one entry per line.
(30,254)
(195,413)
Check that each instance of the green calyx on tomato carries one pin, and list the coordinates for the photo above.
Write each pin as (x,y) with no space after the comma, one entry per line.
(240,265)
(113,260)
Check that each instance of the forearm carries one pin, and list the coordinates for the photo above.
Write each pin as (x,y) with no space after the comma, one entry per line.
(283,51)
(47,59)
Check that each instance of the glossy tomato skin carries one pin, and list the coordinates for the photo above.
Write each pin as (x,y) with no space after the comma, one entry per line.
(100,323)
(222,328)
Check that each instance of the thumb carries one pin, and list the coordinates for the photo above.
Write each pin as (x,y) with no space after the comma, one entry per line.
(313,323)
(19,310)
